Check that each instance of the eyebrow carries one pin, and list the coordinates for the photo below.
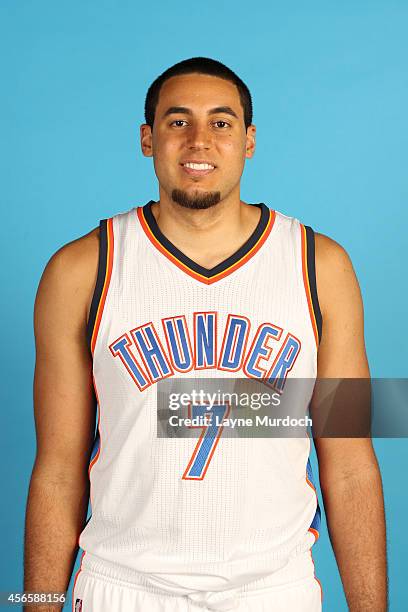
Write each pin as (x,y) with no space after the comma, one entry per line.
(182,110)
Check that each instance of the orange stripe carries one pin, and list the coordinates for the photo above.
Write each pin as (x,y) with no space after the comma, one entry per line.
(76,578)
(95,459)
(314,531)
(317,580)
(307,283)
(108,275)
(196,275)
(92,463)
(311,485)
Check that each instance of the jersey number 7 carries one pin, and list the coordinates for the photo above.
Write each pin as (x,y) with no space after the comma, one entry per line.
(208,440)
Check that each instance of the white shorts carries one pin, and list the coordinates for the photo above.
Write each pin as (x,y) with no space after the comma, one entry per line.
(95,592)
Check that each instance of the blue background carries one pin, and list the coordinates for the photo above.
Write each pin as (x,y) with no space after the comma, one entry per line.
(330,90)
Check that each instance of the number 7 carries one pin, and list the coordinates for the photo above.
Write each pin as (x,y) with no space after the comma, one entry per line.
(208,440)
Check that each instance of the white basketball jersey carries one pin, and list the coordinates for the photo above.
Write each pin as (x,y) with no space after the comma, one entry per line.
(197,512)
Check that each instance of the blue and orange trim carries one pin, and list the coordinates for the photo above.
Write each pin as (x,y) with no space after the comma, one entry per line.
(315,525)
(106,249)
(310,285)
(309,280)
(105,265)
(184,263)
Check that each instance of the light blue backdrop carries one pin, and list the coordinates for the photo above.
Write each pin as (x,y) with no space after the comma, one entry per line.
(330,91)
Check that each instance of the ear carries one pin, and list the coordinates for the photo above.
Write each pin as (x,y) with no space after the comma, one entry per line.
(146,140)
(250,141)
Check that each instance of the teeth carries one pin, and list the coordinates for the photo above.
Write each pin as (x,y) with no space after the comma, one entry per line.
(199,166)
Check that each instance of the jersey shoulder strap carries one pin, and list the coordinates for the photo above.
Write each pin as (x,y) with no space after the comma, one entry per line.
(105,261)
(309,277)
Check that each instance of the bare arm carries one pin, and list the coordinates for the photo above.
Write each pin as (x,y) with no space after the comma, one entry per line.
(64,410)
(348,470)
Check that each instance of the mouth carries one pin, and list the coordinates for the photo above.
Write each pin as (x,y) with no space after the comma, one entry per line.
(198,168)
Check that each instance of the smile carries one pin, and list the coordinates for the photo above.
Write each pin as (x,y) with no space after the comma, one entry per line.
(197,168)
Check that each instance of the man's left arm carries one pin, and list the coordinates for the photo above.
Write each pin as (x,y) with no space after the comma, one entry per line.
(349,475)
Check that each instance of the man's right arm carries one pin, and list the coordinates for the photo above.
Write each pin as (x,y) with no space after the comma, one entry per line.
(64,410)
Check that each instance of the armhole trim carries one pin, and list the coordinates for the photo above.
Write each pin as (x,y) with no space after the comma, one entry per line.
(309,280)
(103,278)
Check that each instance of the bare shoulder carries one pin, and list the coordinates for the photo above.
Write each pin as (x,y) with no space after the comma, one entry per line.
(336,279)
(330,253)
(69,277)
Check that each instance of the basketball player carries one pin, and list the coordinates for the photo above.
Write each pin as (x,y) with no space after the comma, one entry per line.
(198,283)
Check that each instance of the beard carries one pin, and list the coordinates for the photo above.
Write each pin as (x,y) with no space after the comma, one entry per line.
(198,201)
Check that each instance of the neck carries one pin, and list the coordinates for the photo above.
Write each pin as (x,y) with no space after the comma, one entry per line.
(207,236)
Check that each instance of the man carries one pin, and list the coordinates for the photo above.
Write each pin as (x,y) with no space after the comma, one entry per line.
(196,284)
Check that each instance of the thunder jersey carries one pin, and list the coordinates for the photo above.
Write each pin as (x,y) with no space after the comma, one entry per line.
(193,512)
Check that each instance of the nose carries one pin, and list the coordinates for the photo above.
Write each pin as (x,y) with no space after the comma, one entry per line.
(199,137)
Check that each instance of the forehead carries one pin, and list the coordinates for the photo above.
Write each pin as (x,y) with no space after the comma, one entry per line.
(200,92)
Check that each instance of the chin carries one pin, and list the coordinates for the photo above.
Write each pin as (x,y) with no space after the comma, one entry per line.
(196,199)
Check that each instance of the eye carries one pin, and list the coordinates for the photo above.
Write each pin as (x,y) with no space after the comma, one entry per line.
(179,123)
(221,124)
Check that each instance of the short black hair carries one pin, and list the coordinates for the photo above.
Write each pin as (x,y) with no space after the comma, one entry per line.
(200,65)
